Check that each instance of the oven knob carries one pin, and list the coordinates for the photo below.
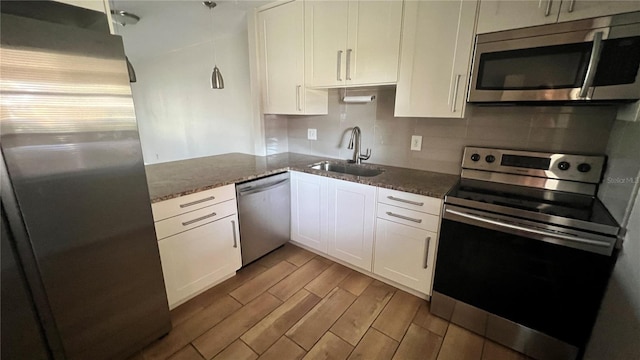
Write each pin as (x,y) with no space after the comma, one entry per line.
(475,157)
(584,167)
(490,158)
(563,165)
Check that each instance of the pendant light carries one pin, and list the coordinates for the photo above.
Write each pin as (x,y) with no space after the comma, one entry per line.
(216,77)
(124,18)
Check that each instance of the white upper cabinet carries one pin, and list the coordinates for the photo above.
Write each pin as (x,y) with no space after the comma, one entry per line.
(325,42)
(96,5)
(281,54)
(498,15)
(583,9)
(437,41)
(352,43)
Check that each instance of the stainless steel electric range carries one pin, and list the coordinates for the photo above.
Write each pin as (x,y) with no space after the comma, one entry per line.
(526,250)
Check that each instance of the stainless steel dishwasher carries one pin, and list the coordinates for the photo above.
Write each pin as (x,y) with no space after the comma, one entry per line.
(264,209)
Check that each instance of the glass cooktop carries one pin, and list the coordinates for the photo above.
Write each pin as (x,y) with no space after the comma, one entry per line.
(534,204)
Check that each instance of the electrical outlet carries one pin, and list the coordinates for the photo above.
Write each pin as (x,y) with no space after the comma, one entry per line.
(416,142)
(312,134)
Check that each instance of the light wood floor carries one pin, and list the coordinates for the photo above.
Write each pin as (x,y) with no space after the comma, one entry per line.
(293,304)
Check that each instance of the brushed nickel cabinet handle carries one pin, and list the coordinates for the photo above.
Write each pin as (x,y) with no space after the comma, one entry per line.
(405,201)
(571,5)
(233,229)
(186,223)
(547,11)
(426,253)
(197,202)
(349,63)
(339,77)
(298,100)
(404,217)
(455,93)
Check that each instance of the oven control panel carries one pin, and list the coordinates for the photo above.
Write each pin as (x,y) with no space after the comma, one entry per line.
(574,167)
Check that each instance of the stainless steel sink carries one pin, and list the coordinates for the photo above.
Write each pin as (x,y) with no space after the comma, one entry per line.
(344,168)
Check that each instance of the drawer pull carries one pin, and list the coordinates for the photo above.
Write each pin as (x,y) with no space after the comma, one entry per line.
(426,255)
(405,201)
(187,223)
(233,229)
(404,217)
(547,11)
(339,77)
(349,63)
(197,201)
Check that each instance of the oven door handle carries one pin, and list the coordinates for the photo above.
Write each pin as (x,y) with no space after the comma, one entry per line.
(529,230)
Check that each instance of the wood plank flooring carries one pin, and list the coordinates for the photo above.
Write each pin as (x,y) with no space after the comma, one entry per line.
(292,304)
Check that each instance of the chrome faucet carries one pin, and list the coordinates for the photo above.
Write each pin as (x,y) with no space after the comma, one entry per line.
(356,136)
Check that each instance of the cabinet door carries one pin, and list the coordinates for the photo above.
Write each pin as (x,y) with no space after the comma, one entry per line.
(282,57)
(281,53)
(325,42)
(373,42)
(351,222)
(309,210)
(583,9)
(96,5)
(195,260)
(402,255)
(498,15)
(433,83)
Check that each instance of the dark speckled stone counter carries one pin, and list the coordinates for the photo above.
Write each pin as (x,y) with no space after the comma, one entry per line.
(177,178)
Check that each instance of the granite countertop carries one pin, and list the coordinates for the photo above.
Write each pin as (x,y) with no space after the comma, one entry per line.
(178,178)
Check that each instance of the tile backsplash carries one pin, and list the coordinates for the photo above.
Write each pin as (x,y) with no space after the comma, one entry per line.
(582,129)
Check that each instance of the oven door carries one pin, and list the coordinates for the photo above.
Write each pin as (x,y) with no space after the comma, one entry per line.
(503,270)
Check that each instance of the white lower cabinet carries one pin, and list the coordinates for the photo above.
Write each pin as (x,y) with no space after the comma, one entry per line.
(390,233)
(309,197)
(198,248)
(351,222)
(405,254)
(196,259)
(407,227)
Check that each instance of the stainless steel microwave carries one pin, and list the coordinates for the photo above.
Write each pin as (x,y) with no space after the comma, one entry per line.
(587,60)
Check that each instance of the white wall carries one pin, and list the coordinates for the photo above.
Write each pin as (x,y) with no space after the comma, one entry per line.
(179,115)
(616,333)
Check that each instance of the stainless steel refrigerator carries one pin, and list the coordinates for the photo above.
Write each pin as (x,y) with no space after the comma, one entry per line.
(81,274)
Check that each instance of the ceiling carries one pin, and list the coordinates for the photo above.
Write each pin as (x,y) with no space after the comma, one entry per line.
(166,26)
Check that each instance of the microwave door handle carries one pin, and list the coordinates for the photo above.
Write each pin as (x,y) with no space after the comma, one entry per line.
(593,65)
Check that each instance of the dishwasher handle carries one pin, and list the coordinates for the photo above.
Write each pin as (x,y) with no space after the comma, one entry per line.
(257,189)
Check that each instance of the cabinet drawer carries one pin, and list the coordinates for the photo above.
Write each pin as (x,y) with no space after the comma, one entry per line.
(180,205)
(410,201)
(408,217)
(192,219)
